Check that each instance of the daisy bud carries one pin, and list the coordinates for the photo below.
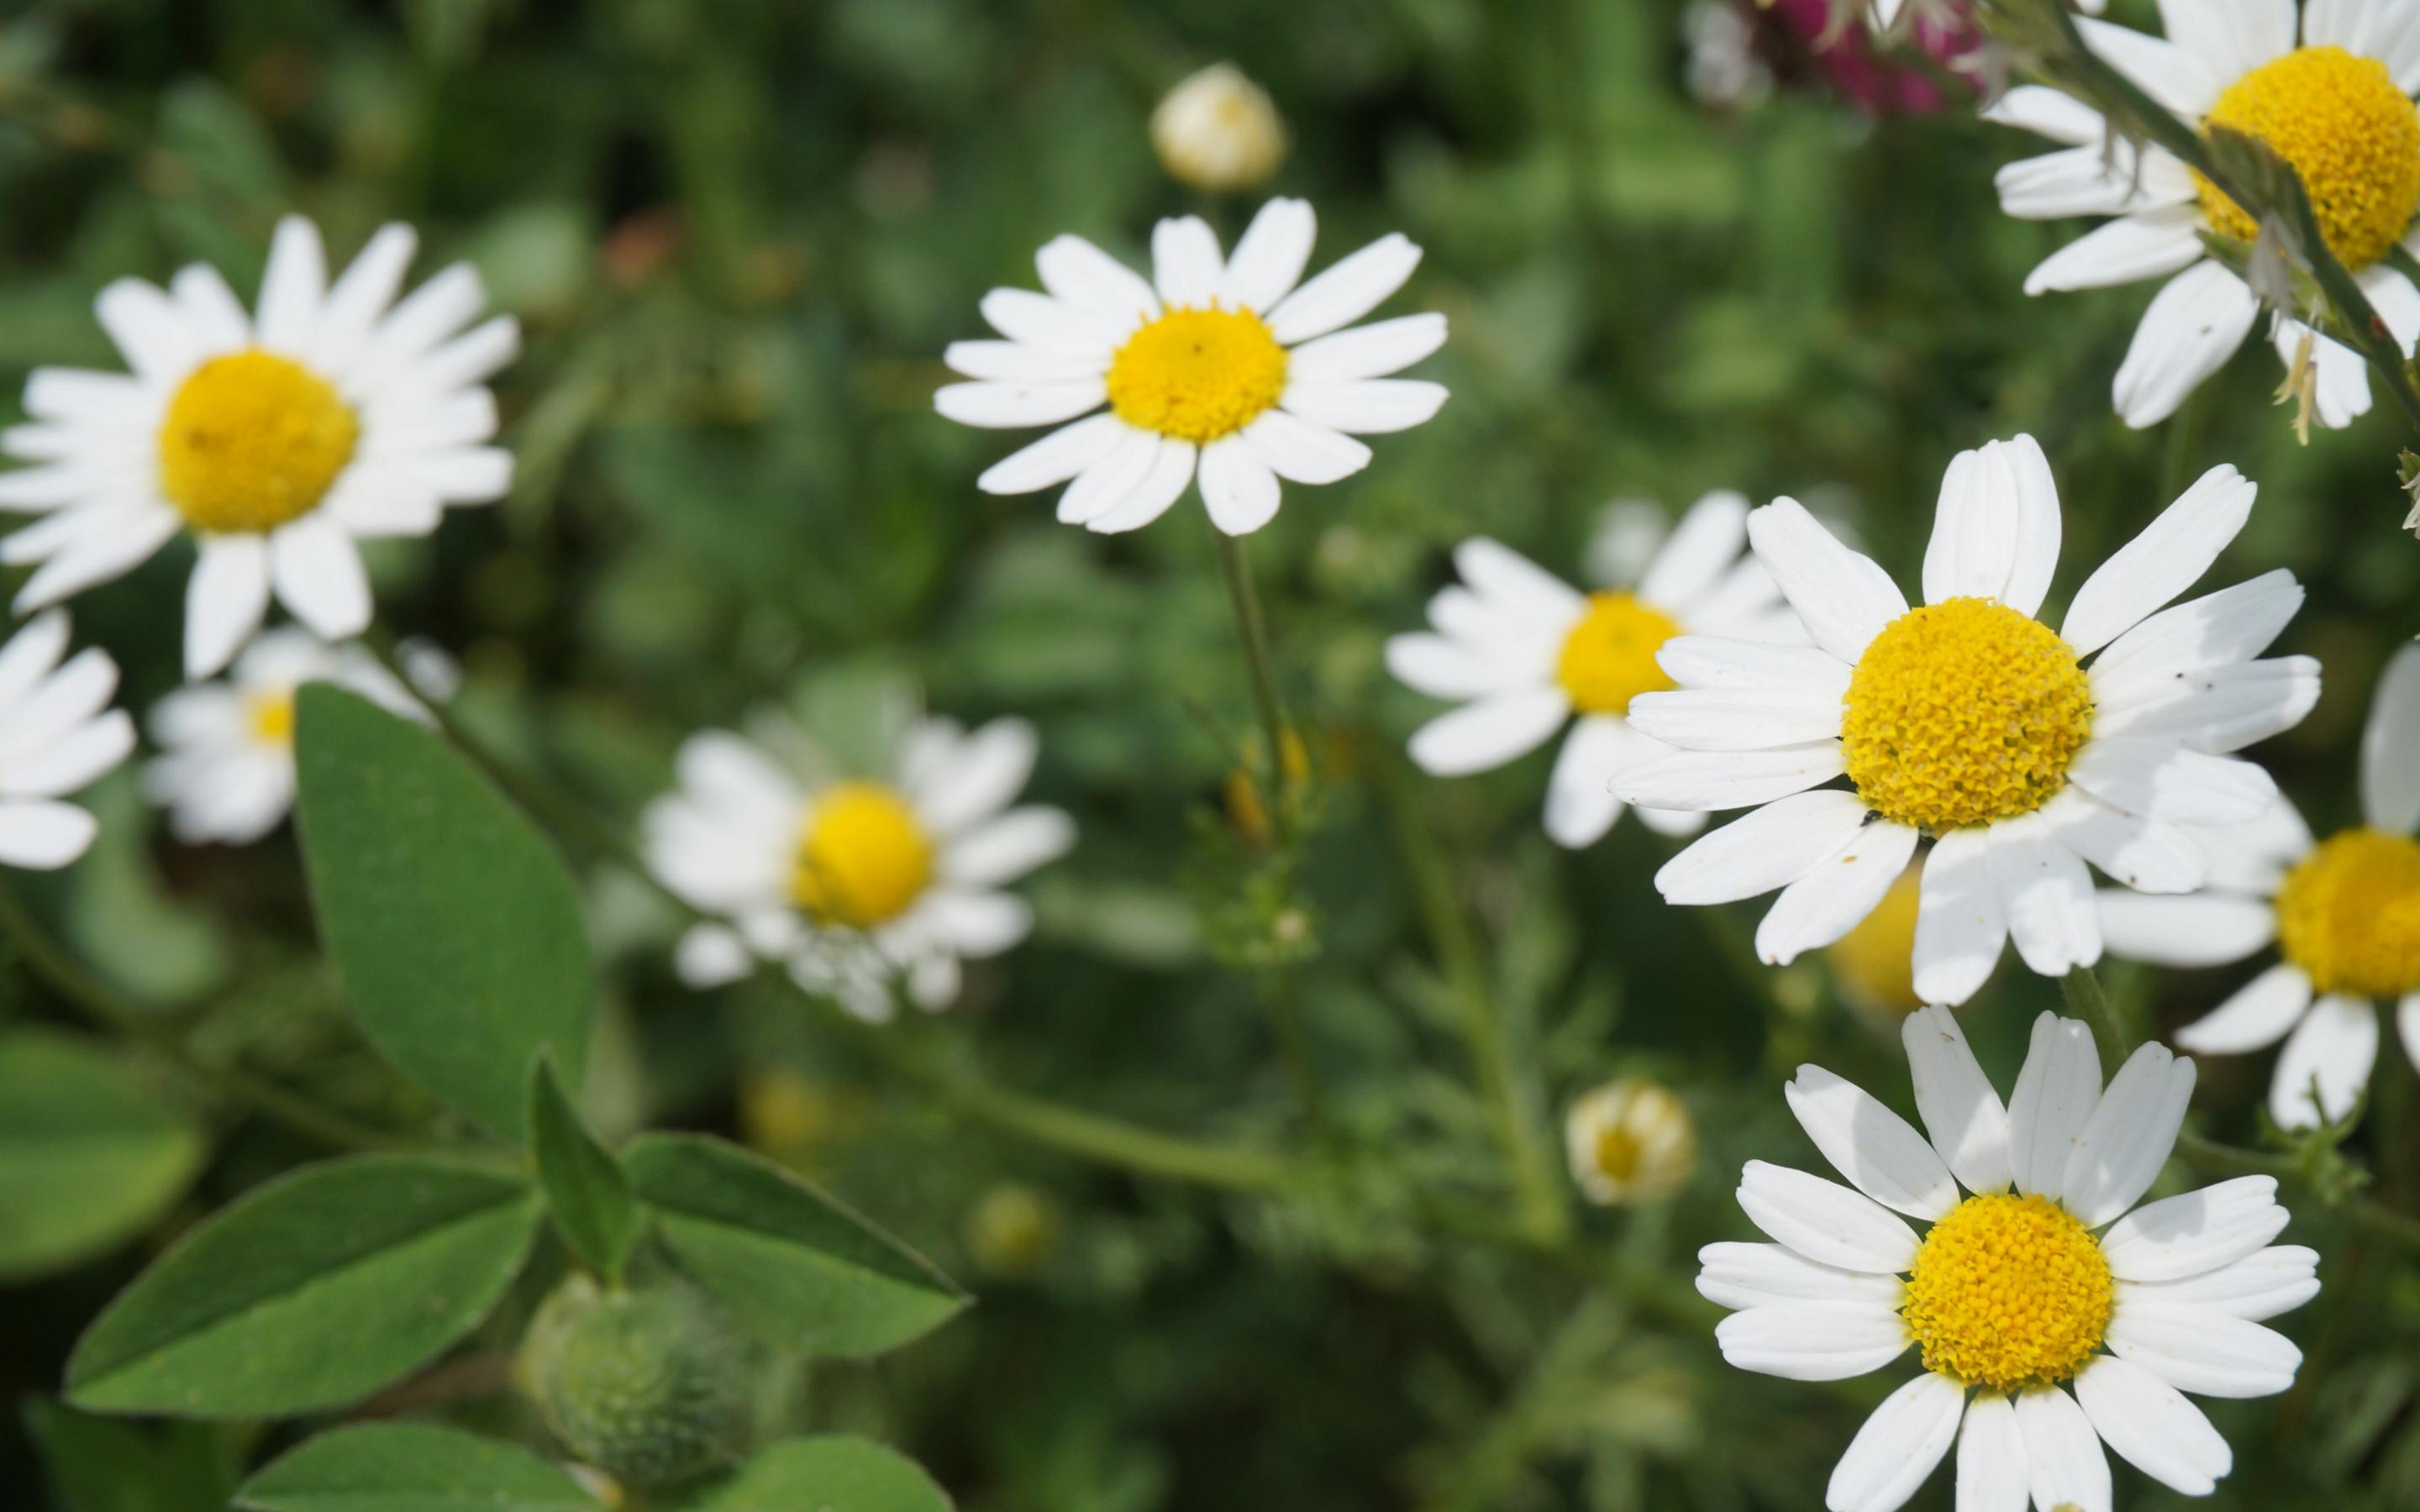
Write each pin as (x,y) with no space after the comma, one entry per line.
(1631,1141)
(1012,1231)
(1218,131)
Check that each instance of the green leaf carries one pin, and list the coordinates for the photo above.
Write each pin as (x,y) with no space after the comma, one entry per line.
(452,921)
(97,1465)
(310,1293)
(783,1256)
(410,1467)
(830,1474)
(584,1185)
(87,1155)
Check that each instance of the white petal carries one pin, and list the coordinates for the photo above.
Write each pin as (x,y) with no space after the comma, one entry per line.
(2144,853)
(211,310)
(72,696)
(1367,351)
(2091,180)
(1270,258)
(1759,852)
(2234,623)
(2123,1144)
(1109,479)
(2153,1427)
(2367,28)
(1700,781)
(1871,1145)
(1580,803)
(2390,747)
(2230,38)
(1708,661)
(360,295)
(1185,264)
(29,656)
(1812,1340)
(2216,709)
(318,574)
(2195,1233)
(1515,585)
(293,287)
(1961,1111)
(1444,668)
(1703,546)
(2328,1057)
(1173,465)
(1039,320)
(2056,1092)
(2207,930)
(2050,113)
(1738,718)
(1844,598)
(1237,488)
(1489,733)
(711,956)
(1959,924)
(70,762)
(1367,406)
(2256,1016)
(2159,780)
(2146,244)
(42,836)
(2169,73)
(979,924)
(2204,1351)
(991,768)
(1006,406)
(2162,561)
(1346,292)
(1824,1221)
(1995,530)
(1012,361)
(1300,452)
(109,546)
(1739,1277)
(2260,1286)
(224,601)
(2194,324)
(2045,894)
(1008,847)
(2064,1464)
(1992,1474)
(1078,273)
(1901,1440)
(1831,899)
(2340,377)
(1056,458)
(159,344)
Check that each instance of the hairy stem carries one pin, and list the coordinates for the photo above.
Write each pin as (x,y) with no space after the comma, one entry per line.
(2086,1001)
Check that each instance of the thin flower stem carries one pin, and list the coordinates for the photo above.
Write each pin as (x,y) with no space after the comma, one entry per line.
(1252,640)
(54,962)
(2086,1001)
(1510,1099)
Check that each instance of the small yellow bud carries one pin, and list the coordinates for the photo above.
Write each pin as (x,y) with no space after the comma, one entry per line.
(1631,1141)
(1012,1231)
(1218,131)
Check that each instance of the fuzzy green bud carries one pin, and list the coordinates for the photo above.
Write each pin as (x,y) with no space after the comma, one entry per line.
(648,1385)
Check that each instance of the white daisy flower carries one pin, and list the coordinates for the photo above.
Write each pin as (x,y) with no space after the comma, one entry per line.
(57,735)
(1631,1141)
(225,770)
(2344,914)
(330,414)
(2053,1315)
(2339,108)
(1970,721)
(853,883)
(1526,654)
(1219,368)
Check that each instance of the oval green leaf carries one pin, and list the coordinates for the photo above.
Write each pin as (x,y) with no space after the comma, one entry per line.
(829,1474)
(87,1155)
(311,1292)
(784,1256)
(451,919)
(410,1467)
(584,1186)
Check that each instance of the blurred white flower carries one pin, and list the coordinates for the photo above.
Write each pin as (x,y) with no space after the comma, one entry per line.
(1723,70)
(2075,1318)
(1218,131)
(1219,368)
(1970,721)
(852,882)
(2343,912)
(1631,1141)
(57,735)
(1523,652)
(225,770)
(278,439)
(2339,108)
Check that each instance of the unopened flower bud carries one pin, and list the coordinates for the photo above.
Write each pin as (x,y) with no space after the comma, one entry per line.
(1631,1141)
(1218,131)
(647,1385)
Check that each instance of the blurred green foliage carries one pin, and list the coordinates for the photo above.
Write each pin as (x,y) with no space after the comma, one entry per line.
(739,235)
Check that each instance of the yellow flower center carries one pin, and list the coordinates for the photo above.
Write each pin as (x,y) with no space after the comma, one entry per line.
(252,440)
(2348,914)
(1196,375)
(1609,656)
(2350,133)
(1963,712)
(1618,1152)
(270,717)
(1875,962)
(2008,1291)
(863,858)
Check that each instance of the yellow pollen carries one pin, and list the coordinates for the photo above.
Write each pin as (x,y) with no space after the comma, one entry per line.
(1609,656)
(252,440)
(1196,375)
(2008,1292)
(863,858)
(270,717)
(2348,914)
(1963,712)
(1618,1152)
(2350,133)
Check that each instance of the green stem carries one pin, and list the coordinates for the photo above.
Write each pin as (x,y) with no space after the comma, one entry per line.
(2086,1001)
(1520,1122)
(1285,1020)
(1252,639)
(55,964)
